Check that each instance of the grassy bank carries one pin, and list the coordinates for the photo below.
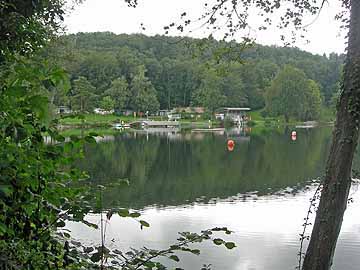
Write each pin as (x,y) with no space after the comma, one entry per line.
(259,120)
(326,116)
(97,120)
(93,120)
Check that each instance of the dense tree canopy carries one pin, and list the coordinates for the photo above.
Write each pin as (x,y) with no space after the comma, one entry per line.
(107,103)
(143,96)
(177,76)
(292,94)
(82,95)
(120,93)
(209,93)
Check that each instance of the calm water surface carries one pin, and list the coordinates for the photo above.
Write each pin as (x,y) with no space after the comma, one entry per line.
(190,182)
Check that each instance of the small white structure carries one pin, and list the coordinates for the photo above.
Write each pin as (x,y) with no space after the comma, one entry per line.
(220,116)
(237,115)
(174,117)
(163,112)
(102,112)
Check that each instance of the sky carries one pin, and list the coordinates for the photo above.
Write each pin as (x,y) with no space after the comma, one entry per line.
(115,16)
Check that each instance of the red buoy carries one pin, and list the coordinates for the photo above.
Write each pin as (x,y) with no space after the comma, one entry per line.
(293,135)
(230,145)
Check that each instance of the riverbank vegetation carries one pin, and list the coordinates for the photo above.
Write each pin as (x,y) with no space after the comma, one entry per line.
(140,73)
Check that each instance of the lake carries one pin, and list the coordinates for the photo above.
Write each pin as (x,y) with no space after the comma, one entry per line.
(190,181)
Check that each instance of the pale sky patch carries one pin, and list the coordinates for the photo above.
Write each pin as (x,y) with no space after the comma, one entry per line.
(114,16)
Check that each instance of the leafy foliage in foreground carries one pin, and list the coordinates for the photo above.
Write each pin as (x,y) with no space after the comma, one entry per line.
(35,196)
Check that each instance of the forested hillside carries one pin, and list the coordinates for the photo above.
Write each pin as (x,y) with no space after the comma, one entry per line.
(147,73)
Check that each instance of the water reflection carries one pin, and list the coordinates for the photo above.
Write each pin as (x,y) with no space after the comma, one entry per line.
(165,171)
(266,232)
(189,182)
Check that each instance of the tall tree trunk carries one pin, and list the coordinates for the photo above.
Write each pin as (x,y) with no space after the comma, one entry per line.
(337,182)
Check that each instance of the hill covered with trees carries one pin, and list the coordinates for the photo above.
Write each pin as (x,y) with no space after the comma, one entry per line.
(148,73)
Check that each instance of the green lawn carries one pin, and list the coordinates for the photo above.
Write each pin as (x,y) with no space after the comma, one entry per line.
(95,119)
(259,120)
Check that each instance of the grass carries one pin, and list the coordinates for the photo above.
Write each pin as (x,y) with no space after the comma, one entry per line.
(258,120)
(95,120)
(326,116)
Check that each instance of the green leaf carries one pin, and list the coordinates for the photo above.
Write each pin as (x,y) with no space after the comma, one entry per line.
(218,241)
(230,245)
(195,251)
(60,224)
(174,258)
(144,224)
(96,257)
(150,265)
(92,225)
(135,215)
(88,249)
(124,213)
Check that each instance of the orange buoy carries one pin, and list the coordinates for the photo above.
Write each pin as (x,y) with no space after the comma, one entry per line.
(230,145)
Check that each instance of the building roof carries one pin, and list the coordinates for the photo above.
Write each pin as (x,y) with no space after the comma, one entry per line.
(237,109)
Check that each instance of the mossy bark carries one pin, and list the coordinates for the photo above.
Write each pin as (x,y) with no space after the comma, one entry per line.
(337,181)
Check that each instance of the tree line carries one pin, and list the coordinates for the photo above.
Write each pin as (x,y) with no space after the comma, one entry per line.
(149,73)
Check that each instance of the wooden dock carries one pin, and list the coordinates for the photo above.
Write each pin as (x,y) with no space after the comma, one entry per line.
(158,124)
